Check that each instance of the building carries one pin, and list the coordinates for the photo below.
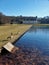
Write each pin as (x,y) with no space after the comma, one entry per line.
(17,19)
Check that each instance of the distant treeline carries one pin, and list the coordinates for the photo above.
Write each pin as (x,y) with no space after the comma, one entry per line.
(9,19)
(44,20)
(15,19)
(19,19)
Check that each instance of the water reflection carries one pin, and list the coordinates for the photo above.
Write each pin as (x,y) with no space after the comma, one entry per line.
(36,37)
(35,46)
(33,49)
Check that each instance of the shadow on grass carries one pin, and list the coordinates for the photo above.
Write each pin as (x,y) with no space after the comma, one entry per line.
(3,40)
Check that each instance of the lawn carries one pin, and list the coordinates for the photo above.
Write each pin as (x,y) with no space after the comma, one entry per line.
(16,29)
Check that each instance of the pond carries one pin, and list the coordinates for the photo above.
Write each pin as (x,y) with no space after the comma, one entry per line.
(36,38)
(34,46)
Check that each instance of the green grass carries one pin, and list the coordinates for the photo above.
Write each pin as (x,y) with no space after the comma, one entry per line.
(16,29)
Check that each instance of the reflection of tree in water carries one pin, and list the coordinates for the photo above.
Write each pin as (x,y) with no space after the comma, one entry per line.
(25,57)
(39,28)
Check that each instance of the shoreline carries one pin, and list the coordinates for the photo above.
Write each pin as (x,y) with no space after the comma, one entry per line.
(21,29)
(17,37)
(20,36)
(17,31)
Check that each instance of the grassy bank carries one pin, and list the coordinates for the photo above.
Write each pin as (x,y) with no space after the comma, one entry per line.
(16,29)
(40,24)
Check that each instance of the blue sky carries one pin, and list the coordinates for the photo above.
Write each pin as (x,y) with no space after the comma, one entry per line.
(38,8)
